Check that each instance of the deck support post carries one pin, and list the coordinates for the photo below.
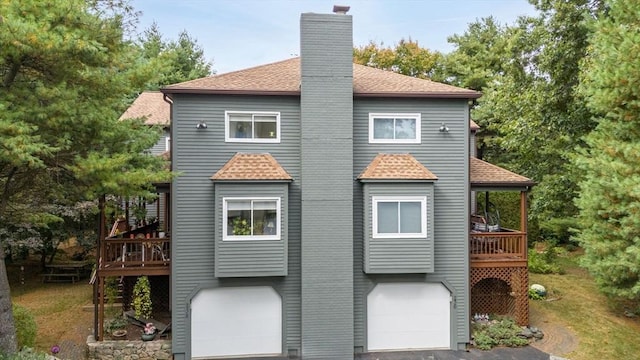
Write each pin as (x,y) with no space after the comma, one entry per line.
(523,221)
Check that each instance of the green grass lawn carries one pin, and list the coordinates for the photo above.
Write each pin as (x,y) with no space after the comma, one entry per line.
(604,332)
(57,307)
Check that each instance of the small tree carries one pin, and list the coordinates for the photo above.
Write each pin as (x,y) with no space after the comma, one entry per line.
(142,298)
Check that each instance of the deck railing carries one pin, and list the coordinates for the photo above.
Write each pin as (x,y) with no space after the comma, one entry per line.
(130,255)
(498,246)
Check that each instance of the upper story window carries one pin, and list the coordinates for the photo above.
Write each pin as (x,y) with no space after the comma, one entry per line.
(246,126)
(251,219)
(394,128)
(399,216)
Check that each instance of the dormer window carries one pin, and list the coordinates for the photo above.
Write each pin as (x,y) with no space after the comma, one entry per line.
(244,126)
(394,128)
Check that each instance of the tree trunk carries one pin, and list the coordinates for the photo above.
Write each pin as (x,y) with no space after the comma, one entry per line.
(8,341)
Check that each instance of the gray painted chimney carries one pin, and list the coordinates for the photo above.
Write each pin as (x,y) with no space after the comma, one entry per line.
(326,111)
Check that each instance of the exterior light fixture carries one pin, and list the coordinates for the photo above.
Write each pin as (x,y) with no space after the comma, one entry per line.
(201,125)
(444,128)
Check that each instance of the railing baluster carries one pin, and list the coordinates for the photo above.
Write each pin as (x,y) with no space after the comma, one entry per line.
(498,246)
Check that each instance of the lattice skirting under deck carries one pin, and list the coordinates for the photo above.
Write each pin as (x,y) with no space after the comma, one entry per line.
(502,291)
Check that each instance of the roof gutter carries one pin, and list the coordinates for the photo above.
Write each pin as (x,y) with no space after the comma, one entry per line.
(167,91)
(423,95)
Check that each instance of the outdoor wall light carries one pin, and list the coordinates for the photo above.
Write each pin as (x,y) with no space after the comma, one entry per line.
(444,128)
(201,125)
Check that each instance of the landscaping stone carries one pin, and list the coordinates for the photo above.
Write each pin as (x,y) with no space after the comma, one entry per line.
(128,350)
(539,289)
(531,332)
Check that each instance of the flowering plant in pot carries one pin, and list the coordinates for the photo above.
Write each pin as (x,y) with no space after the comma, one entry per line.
(149,332)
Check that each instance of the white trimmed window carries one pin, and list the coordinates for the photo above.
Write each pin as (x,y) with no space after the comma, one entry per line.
(251,218)
(246,126)
(399,216)
(167,143)
(394,128)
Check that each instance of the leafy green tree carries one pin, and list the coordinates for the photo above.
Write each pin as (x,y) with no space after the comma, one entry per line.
(609,200)
(407,58)
(533,108)
(65,73)
(481,55)
(176,61)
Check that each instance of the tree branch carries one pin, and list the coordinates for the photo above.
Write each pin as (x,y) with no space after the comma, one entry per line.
(4,199)
(11,75)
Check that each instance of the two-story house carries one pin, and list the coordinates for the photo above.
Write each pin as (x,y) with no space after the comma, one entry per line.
(323,210)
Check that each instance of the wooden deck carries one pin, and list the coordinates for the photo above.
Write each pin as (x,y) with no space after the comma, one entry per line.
(135,256)
(498,249)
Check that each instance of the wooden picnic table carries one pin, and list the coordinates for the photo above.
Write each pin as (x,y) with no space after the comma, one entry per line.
(67,271)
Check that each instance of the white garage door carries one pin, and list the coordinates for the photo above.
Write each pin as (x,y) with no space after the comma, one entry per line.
(236,321)
(408,316)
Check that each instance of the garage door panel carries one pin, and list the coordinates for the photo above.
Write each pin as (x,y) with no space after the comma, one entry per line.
(236,321)
(408,316)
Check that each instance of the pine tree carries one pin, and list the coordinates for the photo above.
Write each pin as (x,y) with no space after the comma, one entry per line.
(609,200)
(65,74)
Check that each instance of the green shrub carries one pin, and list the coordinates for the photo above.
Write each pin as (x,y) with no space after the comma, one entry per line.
(544,262)
(26,327)
(114,324)
(558,230)
(142,298)
(501,332)
(24,354)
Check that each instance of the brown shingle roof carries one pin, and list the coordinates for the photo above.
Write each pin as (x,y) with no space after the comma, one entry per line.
(396,167)
(484,173)
(244,166)
(473,126)
(151,105)
(283,78)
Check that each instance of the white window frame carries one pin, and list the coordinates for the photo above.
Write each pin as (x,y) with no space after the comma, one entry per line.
(226,237)
(374,216)
(167,143)
(416,116)
(227,127)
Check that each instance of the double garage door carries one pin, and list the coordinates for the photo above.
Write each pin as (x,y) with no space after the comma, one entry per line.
(248,320)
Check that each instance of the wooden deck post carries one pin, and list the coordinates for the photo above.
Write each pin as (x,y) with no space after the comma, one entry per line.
(523,221)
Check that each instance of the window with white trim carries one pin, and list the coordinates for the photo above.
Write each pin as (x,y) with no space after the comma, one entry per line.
(246,126)
(251,218)
(394,128)
(399,216)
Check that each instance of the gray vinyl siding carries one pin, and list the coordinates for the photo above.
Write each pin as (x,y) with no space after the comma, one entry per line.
(473,152)
(161,146)
(327,229)
(403,255)
(156,209)
(199,153)
(446,155)
(243,258)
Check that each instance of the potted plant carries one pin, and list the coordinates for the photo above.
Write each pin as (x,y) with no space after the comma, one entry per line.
(149,332)
(241,226)
(116,327)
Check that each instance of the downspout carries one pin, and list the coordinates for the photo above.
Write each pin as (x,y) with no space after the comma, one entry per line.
(168,216)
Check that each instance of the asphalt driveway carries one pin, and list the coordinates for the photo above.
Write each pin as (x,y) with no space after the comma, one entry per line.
(523,353)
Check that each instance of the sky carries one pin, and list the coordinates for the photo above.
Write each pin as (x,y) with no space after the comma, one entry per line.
(238,34)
